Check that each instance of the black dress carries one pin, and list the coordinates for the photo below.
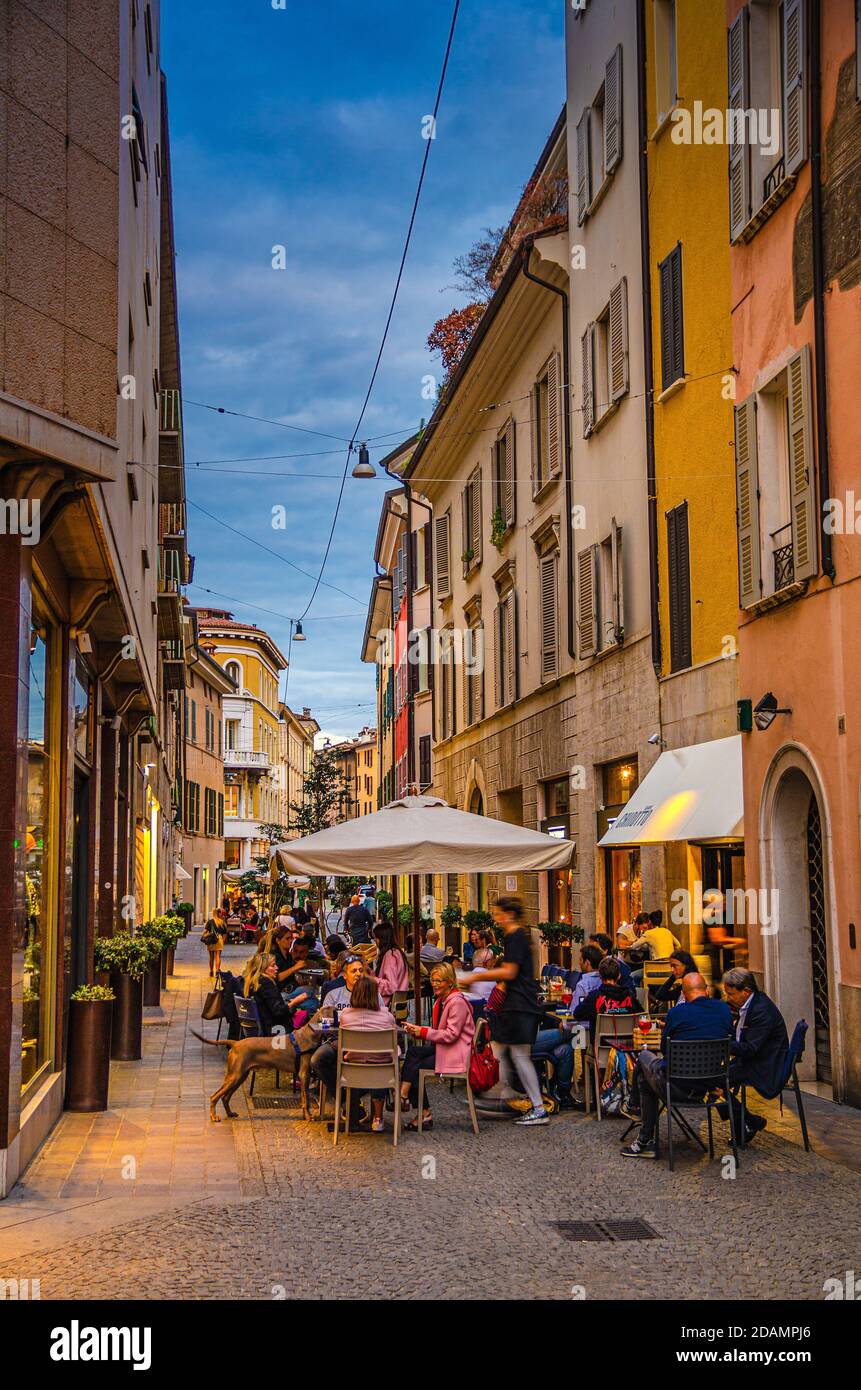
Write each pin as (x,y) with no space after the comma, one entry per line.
(518,1019)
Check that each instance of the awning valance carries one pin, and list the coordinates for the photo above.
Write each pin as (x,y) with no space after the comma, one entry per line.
(693,793)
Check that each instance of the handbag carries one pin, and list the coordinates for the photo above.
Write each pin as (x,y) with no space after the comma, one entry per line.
(213,1004)
(483,1069)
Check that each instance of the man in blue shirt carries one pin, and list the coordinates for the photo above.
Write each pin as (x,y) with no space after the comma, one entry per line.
(696,1017)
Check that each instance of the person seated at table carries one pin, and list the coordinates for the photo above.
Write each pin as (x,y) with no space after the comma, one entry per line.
(431,952)
(334,946)
(324,1063)
(368,1013)
(484,957)
(590,979)
(444,1047)
(669,992)
(553,1044)
(600,938)
(260,983)
(654,942)
(696,1017)
(390,968)
(759,1048)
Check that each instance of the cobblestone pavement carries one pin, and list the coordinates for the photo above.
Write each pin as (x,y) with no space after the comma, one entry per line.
(265,1207)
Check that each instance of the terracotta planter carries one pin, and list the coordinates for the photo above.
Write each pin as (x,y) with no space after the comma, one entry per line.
(127,1017)
(88,1064)
(152,984)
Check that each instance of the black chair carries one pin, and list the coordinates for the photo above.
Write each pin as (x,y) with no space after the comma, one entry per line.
(790,1077)
(689,1062)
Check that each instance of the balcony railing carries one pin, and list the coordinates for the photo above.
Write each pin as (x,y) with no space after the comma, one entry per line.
(246,757)
(773,179)
(171,520)
(784,567)
(170,412)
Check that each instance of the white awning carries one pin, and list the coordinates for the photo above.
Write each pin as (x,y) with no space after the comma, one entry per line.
(691,793)
(180,872)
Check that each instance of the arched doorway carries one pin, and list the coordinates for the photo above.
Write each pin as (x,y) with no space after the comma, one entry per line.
(798,954)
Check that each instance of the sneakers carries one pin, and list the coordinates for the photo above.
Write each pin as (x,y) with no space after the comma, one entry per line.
(640,1149)
(628,1111)
(566,1101)
(754,1124)
(534,1117)
(377,1126)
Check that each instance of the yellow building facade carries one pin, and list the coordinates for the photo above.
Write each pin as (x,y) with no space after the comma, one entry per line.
(251,731)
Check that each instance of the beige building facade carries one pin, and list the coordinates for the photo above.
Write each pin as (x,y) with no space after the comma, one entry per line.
(295,754)
(207,686)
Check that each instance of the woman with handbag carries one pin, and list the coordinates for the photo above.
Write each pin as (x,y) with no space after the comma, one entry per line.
(444,1047)
(213,939)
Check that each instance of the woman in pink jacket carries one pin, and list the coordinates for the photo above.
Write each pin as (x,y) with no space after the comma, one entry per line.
(368,1015)
(446,1046)
(391,971)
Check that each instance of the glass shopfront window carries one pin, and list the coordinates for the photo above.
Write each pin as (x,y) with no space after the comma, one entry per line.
(37,948)
(623,884)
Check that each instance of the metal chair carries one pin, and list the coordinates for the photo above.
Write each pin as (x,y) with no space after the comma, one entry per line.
(655,972)
(691,1061)
(249,1021)
(611,1030)
(367,1076)
(790,1076)
(428,1074)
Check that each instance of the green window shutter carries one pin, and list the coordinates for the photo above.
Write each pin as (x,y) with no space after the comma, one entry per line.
(738,57)
(794,84)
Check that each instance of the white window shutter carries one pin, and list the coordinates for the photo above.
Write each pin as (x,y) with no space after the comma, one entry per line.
(549,618)
(618,336)
(587,344)
(747,504)
(618,582)
(587,601)
(802,480)
(794,84)
(441,556)
(613,112)
(584,191)
(739,154)
(554,418)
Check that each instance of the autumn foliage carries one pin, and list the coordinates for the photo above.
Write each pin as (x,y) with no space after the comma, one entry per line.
(450,336)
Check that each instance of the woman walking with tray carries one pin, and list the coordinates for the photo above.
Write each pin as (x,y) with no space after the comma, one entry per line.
(515,1027)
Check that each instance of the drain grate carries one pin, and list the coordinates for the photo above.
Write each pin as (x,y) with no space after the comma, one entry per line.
(606,1230)
(276,1102)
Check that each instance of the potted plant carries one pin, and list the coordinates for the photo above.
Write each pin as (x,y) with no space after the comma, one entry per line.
(88,1059)
(498,529)
(166,930)
(186,911)
(558,937)
(126,958)
(384,904)
(451,918)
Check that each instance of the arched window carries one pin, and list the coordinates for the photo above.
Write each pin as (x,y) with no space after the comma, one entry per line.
(234,670)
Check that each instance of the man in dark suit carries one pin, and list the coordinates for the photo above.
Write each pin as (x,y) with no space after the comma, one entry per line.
(696,1017)
(760,1048)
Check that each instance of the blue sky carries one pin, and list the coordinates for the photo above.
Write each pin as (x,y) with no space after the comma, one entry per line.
(301,127)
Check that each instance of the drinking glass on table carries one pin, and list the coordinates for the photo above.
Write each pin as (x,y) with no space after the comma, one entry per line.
(644,1023)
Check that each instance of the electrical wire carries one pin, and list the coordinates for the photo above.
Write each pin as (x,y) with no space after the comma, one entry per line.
(390,315)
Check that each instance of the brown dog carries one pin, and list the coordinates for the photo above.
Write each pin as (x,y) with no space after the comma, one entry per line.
(289,1052)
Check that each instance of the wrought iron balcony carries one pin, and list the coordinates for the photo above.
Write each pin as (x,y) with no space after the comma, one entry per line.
(773,179)
(784,567)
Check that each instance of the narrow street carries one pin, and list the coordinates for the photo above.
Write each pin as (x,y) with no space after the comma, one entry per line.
(265,1207)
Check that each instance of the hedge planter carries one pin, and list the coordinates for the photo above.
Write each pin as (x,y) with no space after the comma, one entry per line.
(163,974)
(170,956)
(128,1017)
(88,1063)
(152,983)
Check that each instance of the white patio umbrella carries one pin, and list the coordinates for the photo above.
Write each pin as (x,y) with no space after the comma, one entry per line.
(421,835)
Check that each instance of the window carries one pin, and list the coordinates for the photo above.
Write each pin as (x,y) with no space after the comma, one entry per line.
(546,425)
(600,595)
(679,576)
(447,682)
(776,484)
(672,319)
(234,671)
(425,777)
(548,566)
(192,807)
(605,359)
(768,81)
(666,59)
(442,557)
(231,800)
(599,138)
(194,721)
(504,475)
(506,649)
(422,550)
(473,674)
(471,519)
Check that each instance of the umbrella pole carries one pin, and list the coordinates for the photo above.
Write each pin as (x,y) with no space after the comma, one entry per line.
(417,947)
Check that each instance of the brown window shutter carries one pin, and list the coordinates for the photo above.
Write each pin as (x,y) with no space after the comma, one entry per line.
(508,502)
(613,111)
(747,503)
(618,582)
(442,558)
(584,181)
(511,642)
(795,84)
(802,480)
(587,601)
(672,319)
(549,618)
(475,515)
(587,344)
(618,335)
(679,567)
(554,417)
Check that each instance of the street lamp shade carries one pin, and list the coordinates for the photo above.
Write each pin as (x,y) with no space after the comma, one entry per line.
(298,635)
(364,468)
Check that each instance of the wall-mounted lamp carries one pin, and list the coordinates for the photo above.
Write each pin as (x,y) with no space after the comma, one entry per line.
(766,710)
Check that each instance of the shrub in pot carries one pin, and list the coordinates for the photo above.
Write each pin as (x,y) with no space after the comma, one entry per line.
(88,1060)
(185,910)
(165,931)
(127,958)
